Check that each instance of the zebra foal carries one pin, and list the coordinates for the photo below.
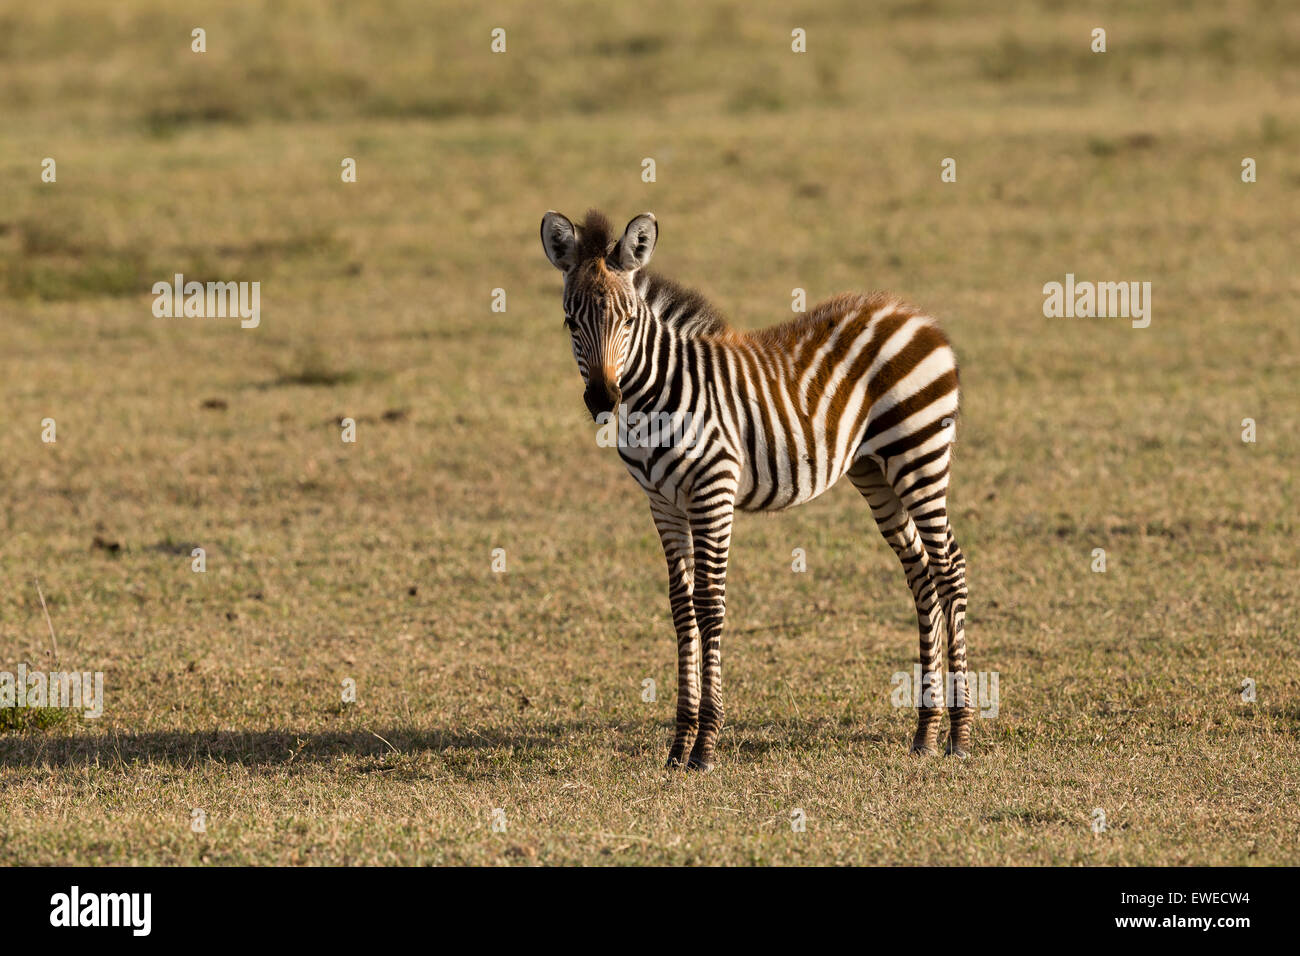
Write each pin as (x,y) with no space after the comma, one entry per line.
(862,385)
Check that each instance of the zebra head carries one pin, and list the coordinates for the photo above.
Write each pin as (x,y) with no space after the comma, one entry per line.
(601,304)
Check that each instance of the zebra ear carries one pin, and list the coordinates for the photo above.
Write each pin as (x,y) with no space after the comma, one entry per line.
(638,243)
(560,240)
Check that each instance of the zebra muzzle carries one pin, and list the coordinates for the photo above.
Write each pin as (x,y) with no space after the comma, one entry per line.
(601,397)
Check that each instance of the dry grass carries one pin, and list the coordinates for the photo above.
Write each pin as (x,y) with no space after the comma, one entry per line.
(522,691)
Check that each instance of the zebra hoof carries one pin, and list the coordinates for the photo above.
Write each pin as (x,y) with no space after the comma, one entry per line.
(674,762)
(700,765)
(919,750)
(956,750)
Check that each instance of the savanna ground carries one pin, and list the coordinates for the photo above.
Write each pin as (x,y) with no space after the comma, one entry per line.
(1119,691)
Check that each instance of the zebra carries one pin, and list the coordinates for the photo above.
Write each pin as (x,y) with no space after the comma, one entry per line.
(862,385)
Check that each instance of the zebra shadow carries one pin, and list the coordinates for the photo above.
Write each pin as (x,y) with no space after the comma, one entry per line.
(279,747)
(798,735)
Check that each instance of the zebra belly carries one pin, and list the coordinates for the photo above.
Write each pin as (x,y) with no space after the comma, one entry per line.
(770,483)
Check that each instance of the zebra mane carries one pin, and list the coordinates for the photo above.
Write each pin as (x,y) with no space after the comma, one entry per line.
(595,236)
(677,306)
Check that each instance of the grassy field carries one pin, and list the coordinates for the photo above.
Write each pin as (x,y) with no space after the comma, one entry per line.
(522,691)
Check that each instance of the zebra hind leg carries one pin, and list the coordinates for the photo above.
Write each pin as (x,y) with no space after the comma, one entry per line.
(922,487)
(951,581)
(898,529)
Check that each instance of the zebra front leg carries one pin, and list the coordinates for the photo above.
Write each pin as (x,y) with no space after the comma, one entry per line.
(675,536)
(711,530)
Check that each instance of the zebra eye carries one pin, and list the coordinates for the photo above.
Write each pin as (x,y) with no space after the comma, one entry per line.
(568,323)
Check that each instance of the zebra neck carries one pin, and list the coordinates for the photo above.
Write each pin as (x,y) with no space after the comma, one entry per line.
(681,309)
(663,368)
(673,354)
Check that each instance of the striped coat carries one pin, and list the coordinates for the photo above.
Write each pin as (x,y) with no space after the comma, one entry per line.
(863,386)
